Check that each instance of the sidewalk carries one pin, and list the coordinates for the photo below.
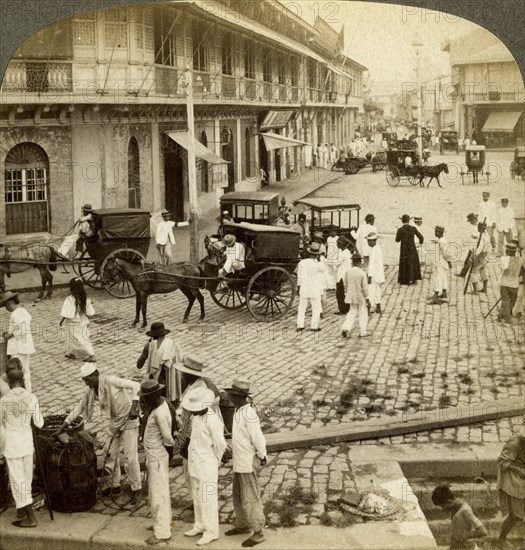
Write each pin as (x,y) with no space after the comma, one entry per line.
(310,181)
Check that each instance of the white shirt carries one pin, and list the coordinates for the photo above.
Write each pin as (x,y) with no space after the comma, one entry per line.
(360,237)
(20,327)
(472,235)
(440,256)
(247,439)
(376,268)
(487,209)
(157,433)
(164,232)
(69,310)
(332,252)
(308,279)
(236,252)
(506,221)
(17,409)
(344,263)
(207,445)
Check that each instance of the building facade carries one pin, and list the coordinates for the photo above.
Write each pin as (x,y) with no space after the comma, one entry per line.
(88,105)
(486,92)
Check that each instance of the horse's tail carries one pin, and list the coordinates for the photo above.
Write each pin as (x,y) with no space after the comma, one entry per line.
(52,259)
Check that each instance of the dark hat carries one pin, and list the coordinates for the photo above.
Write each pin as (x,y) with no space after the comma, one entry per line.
(405,218)
(157,329)
(487,193)
(149,387)
(302,216)
(4,298)
(472,216)
(239,387)
(87,208)
(439,228)
(165,212)
(356,256)
(191,365)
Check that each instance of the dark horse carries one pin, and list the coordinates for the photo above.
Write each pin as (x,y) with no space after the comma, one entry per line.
(431,172)
(155,279)
(19,258)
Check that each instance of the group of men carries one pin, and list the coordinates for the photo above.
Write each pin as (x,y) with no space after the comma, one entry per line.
(174,409)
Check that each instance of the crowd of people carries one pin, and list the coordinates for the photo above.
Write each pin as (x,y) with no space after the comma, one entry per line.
(168,405)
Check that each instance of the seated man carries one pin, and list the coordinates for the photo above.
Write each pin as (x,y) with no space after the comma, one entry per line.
(86,226)
(235,255)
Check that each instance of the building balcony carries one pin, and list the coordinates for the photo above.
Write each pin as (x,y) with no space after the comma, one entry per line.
(282,94)
(229,87)
(38,77)
(250,89)
(267,91)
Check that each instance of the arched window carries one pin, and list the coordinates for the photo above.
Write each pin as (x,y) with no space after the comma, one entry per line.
(248,153)
(26,189)
(205,187)
(133,174)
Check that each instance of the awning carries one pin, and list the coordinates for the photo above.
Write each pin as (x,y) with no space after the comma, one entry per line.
(275,120)
(501,121)
(183,139)
(275,141)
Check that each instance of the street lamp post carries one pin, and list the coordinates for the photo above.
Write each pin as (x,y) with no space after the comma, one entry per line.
(192,176)
(417,44)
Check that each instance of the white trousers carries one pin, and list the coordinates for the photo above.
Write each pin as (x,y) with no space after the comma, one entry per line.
(206,506)
(316,311)
(126,439)
(374,293)
(20,479)
(25,359)
(330,272)
(359,312)
(231,265)
(440,279)
(159,496)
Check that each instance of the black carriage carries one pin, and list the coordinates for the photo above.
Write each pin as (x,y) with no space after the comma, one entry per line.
(352,165)
(267,285)
(517,166)
(390,138)
(119,233)
(448,141)
(329,214)
(399,168)
(475,162)
(251,206)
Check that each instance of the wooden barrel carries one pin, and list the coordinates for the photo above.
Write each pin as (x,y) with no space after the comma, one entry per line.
(71,470)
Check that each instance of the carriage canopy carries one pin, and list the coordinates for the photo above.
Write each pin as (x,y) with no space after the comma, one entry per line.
(251,206)
(115,223)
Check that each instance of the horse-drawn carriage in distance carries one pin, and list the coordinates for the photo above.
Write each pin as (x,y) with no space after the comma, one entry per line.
(118,233)
(390,138)
(448,141)
(329,214)
(475,162)
(517,166)
(267,284)
(352,165)
(251,206)
(402,164)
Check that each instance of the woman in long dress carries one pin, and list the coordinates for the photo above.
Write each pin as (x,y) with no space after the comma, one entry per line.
(409,266)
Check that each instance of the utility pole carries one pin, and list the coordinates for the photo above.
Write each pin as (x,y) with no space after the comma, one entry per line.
(418,46)
(192,176)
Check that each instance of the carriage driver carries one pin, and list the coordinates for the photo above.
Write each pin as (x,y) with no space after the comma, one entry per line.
(86,227)
(235,255)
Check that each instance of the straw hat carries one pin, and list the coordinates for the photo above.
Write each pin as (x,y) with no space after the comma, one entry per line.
(87,208)
(372,236)
(4,298)
(314,248)
(439,229)
(198,399)
(229,240)
(191,365)
(239,387)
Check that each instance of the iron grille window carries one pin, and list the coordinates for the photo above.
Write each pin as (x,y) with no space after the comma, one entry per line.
(25,185)
(116,28)
(294,71)
(164,43)
(281,68)
(84,30)
(312,74)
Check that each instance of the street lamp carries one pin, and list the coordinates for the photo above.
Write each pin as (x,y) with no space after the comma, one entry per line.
(418,45)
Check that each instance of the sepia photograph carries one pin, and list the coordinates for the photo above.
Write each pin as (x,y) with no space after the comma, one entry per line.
(262,268)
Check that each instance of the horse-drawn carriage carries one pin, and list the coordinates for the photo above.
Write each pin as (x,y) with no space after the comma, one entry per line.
(398,167)
(517,166)
(266,286)
(448,141)
(251,206)
(475,162)
(352,165)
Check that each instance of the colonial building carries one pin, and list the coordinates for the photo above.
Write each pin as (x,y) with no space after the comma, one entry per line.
(93,109)
(487,90)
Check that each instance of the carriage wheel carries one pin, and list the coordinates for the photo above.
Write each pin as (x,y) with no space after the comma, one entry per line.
(113,280)
(270,294)
(351,168)
(226,296)
(393,176)
(87,271)
(413,179)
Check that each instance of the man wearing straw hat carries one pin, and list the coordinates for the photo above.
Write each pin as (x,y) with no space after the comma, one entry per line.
(158,447)
(356,284)
(119,401)
(376,272)
(442,267)
(249,454)
(207,445)
(235,255)
(487,211)
(310,287)
(511,265)
(18,409)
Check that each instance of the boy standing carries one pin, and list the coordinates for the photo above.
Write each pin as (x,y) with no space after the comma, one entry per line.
(464,525)
(356,284)
(376,272)
(310,287)
(164,238)
(207,445)
(249,454)
(441,267)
